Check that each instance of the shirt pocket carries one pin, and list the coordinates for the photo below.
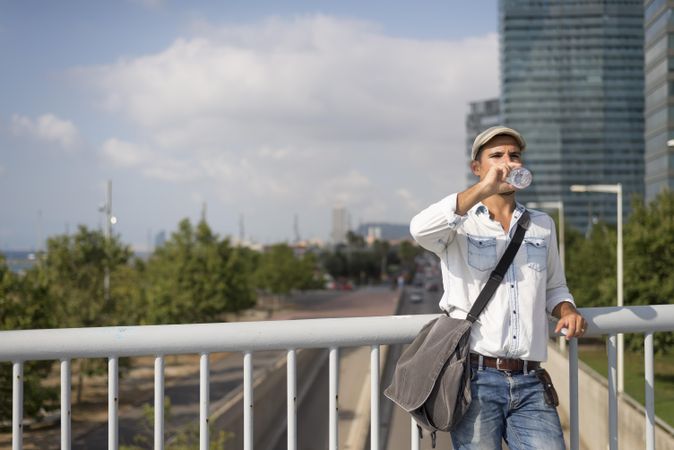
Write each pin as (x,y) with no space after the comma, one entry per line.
(481,252)
(537,253)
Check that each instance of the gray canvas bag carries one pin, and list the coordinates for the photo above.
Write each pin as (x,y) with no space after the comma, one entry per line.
(431,380)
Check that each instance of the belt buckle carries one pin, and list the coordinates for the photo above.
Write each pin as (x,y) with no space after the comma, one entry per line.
(498,364)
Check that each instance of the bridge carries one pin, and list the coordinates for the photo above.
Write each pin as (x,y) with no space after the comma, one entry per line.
(335,335)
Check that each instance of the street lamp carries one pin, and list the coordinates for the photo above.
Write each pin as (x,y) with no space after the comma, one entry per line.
(558,205)
(618,190)
(110,220)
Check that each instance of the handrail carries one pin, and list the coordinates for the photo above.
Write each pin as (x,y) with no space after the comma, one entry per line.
(121,341)
(112,343)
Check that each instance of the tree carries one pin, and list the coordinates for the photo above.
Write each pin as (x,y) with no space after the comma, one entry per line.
(75,268)
(24,303)
(649,258)
(196,276)
(279,271)
(591,268)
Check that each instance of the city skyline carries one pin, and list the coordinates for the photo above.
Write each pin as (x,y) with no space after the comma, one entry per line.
(264,111)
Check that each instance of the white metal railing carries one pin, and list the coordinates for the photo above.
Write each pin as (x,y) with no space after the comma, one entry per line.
(333,334)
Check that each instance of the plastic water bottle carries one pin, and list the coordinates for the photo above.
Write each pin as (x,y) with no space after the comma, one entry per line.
(520,177)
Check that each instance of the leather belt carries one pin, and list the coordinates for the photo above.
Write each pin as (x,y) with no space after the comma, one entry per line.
(505,364)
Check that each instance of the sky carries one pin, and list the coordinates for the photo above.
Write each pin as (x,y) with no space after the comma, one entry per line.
(261,110)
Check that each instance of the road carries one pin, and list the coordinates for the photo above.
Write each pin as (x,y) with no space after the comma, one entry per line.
(396,425)
(270,401)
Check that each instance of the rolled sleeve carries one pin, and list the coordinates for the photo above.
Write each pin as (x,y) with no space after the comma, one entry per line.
(556,296)
(435,227)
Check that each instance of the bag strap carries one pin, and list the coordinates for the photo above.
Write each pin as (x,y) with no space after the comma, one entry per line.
(499,272)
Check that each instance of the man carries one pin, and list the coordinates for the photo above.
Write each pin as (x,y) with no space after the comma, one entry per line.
(469,232)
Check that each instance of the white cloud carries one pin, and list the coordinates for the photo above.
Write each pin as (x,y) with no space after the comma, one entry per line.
(125,154)
(47,128)
(306,111)
(151,163)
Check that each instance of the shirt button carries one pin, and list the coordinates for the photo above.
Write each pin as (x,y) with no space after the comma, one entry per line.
(514,337)
(512,285)
(514,312)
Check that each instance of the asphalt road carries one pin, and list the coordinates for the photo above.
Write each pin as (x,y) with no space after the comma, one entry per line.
(270,396)
(396,425)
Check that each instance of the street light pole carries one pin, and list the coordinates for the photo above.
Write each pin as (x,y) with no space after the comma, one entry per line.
(618,190)
(110,220)
(108,234)
(619,253)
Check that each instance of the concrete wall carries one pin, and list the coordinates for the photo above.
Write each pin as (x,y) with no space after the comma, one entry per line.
(593,408)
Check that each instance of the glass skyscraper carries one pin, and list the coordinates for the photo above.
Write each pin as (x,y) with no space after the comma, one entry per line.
(572,82)
(481,115)
(659,107)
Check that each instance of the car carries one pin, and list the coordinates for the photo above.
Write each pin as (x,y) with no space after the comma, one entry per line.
(416,297)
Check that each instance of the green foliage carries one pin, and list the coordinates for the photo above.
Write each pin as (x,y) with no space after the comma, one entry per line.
(366,264)
(591,266)
(74,269)
(24,304)
(649,259)
(196,276)
(648,246)
(279,271)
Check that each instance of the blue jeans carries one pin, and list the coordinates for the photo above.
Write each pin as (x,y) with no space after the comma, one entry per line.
(509,406)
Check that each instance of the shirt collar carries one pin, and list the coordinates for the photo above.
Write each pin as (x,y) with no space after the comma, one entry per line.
(519,210)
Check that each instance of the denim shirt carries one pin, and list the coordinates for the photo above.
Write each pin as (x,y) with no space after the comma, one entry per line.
(515,322)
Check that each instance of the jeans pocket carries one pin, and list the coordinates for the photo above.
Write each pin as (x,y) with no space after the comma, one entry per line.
(481,252)
(537,253)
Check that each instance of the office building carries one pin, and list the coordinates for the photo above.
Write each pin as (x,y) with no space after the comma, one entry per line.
(572,81)
(481,115)
(340,225)
(659,97)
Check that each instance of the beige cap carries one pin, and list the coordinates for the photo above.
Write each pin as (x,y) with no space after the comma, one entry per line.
(491,133)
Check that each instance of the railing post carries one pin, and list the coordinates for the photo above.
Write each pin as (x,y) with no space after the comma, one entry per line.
(248,401)
(17,405)
(374,398)
(159,403)
(204,401)
(113,403)
(414,433)
(574,435)
(650,393)
(612,393)
(291,402)
(66,411)
(333,399)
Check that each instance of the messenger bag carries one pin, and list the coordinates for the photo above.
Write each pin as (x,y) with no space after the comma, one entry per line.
(431,380)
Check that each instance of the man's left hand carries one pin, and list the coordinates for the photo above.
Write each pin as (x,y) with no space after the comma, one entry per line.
(570,319)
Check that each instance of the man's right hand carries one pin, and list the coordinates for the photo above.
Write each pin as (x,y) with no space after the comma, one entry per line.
(491,184)
(494,181)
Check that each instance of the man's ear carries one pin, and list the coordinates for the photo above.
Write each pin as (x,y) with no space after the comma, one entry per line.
(475,167)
